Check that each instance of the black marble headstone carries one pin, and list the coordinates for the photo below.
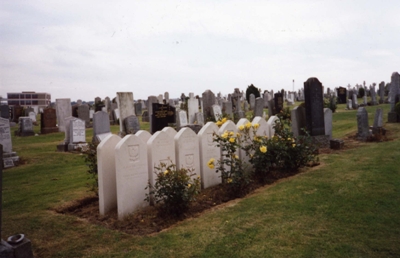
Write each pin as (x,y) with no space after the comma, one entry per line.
(278,99)
(341,93)
(163,114)
(5,111)
(314,107)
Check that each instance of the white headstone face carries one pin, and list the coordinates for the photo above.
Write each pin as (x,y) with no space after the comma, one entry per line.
(160,149)
(143,135)
(106,173)
(271,122)
(264,128)
(208,150)
(91,113)
(187,151)
(193,108)
(126,107)
(170,131)
(229,127)
(199,118)
(32,116)
(328,122)
(5,135)
(116,114)
(77,131)
(131,174)
(63,110)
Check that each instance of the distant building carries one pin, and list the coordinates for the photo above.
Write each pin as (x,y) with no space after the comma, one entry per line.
(29,99)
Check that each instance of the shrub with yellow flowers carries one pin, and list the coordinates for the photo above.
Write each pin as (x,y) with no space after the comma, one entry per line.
(173,190)
(236,176)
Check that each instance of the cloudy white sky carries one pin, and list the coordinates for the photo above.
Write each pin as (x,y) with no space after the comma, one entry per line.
(83,49)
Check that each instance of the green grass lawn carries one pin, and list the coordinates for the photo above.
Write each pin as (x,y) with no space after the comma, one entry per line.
(349,206)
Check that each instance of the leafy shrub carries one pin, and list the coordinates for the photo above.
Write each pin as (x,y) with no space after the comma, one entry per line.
(90,156)
(173,190)
(285,115)
(361,92)
(235,176)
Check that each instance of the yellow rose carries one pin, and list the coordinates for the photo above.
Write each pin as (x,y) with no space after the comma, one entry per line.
(236,157)
(229,180)
(210,163)
(231,133)
(189,185)
(255,126)
(263,149)
(289,139)
(166,172)
(231,140)
(238,135)
(248,125)
(293,145)
(219,123)
(241,127)
(224,120)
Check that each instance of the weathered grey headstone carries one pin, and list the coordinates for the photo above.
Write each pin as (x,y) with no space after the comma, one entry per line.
(150,101)
(252,100)
(131,124)
(208,98)
(138,109)
(200,118)
(373,96)
(101,124)
(362,124)
(5,135)
(259,107)
(126,107)
(354,102)
(227,108)
(298,115)
(378,120)
(84,114)
(278,102)
(63,110)
(328,122)
(381,92)
(314,107)
(32,116)
(77,131)
(25,127)
(394,88)
(349,104)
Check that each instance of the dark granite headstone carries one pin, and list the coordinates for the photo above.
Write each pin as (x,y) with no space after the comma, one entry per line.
(48,121)
(145,116)
(131,124)
(163,114)
(17,112)
(5,111)
(208,102)
(278,101)
(138,108)
(341,95)
(75,110)
(362,124)
(314,107)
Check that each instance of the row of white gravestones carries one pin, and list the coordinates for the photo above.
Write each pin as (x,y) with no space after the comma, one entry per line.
(125,166)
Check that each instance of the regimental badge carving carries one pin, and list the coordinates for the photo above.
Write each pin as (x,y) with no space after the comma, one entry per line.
(133,152)
(189,160)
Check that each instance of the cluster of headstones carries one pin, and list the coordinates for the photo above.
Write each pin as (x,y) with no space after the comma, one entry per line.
(126,165)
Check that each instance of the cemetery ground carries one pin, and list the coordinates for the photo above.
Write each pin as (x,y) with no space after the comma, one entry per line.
(349,205)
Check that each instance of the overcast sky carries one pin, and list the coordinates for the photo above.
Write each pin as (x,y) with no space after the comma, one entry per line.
(83,49)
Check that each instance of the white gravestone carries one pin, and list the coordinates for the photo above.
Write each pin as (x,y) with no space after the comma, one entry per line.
(187,151)
(131,174)
(271,122)
(5,135)
(77,131)
(242,153)
(143,135)
(160,149)
(32,116)
(170,131)
(106,173)
(264,129)
(193,108)
(208,150)
(229,127)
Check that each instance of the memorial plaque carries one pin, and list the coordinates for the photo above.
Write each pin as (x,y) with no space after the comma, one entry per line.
(163,114)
